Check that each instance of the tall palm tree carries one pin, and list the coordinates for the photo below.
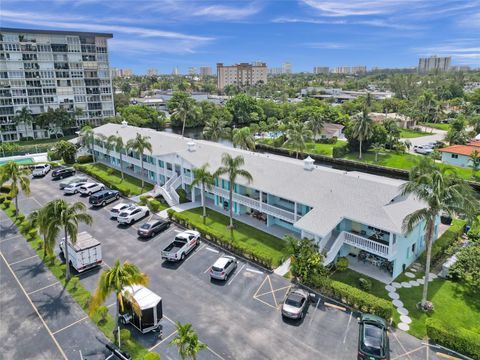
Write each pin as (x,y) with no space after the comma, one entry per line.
(19,178)
(243,138)
(205,179)
(115,280)
(377,147)
(66,217)
(187,341)
(362,128)
(87,136)
(440,190)
(139,145)
(316,121)
(232,167)
(475,161)
(24,115)
(40,219)
(298,134)
(184,108)
(216,129)
(115,142)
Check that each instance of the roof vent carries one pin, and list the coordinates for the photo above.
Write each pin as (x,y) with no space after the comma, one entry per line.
(191,146)
(308,164)
(124,123)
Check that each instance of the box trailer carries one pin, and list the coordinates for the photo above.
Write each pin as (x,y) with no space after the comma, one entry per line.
(142,308)
(85,253)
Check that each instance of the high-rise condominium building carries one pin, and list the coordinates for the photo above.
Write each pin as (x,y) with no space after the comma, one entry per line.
(321,70)
(275,71)
(42,69)
(152,72)
(116,72)
(175,71)
(286,68)
(241,74)
(205,70)
(192,70)
(359,69)
(342,70)
(433,63)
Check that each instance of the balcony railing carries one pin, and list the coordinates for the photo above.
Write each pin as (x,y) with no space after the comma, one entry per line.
(366,244)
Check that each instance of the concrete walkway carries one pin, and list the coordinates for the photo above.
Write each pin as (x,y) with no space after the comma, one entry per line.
(179,208)
(283,269)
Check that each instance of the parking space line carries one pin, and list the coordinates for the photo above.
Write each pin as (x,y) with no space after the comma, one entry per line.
(348,326)
(19,261)
(401,345)
(261,285)
(212,250)
(163,340)
(254,271)
(43,288)
(236,274)
(11,238)
(414,350)
(273,291)
(166,317)
(276,308)
(316,308)
(208,269)
(215,353)
(194,252)
(68,326)
(34,308)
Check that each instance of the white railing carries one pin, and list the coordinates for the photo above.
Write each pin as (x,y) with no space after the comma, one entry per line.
(366,244)
(176,183)
(334,249)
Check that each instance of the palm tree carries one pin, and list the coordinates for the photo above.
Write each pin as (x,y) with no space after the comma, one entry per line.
(298,134)
(139,145)
(243,138)
(232,168)
(377,147)
(24,116)
(115,142)
(66,217)
(216,129)
(40,219)
(316,120)
(185,107)
(19,178)
(204,178)
(88,139)
(440,190)
(474,161)
(115,280)
(187,341)
(362,128)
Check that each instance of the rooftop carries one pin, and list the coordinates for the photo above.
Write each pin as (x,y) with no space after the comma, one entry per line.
(58,32)
(466,150)
(333,194)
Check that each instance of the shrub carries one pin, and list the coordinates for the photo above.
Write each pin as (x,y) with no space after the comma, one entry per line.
(445,241)
(53,155)
(102,312)
(5,189)
(2,199)
(182,195)
(32,234)
(125,335)
(340,150)
(342,264)
(84,159)
(279,141)
(143,200)
(154,205)
(353,297)
(365,284)
(74,281)
(459,339)
(6,204)
(151,356)
(110,171)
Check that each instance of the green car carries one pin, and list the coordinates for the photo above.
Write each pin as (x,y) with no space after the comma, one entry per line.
(373,341)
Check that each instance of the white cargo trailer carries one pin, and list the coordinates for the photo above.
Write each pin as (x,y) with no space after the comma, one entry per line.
(85,254)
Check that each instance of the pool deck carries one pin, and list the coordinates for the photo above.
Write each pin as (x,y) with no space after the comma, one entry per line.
(25,159)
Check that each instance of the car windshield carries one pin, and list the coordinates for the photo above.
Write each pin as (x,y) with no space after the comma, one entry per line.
(294,300)
(122,214)
(145,226)
(372,339)
(217,269)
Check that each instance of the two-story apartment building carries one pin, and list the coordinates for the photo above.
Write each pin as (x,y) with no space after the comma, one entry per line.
(346,213)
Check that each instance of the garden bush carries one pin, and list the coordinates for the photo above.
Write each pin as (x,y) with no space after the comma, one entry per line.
(102,312)
(6,203)
(53,155)
(353,297)
(84,159)
(154,205)
(110,171)
(341,150)
(151,356)
(182,194)
(459,339)
(5,189)
(143,200)
(125,335)
(365,284)
(342,264)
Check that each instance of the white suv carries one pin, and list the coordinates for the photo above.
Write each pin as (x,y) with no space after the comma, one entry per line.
(423,149)
(90,188)
(73,188)
(132,214)
(119,208)
(41,170)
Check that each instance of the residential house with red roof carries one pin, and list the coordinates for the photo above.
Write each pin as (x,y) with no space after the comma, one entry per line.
(460,155)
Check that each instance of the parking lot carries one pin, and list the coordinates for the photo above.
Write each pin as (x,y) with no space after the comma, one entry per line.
(238,319)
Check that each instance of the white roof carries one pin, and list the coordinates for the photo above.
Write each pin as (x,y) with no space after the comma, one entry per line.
(145,298)
(333,194)
(85,241)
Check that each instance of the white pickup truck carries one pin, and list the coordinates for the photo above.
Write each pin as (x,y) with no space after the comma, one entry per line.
(41,170)
(85,254)
(183,244)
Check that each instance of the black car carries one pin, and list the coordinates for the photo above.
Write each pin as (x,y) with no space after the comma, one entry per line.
(62,172)
(153,227)
(104,197)
(373,341)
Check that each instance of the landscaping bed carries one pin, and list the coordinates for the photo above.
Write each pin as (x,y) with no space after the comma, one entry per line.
(409,133)
(311,147)
(254,244)
(113,179)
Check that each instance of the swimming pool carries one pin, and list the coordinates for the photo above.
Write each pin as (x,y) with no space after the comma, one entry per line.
(24,161)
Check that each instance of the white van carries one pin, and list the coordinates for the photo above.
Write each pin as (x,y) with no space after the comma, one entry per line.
(41,170)
(85,254)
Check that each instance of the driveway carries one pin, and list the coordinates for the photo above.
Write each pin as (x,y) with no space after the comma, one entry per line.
(238,319)
(437,135)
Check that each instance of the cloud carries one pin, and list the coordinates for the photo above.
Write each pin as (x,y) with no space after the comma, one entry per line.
(227,12)
(357,7)
(374,22)
(327,45)
(465,51)
(137,47)
(306,20)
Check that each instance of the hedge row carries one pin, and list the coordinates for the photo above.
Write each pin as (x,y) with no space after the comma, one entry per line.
(353,297)
(458,339)
(445,241)
(340,150)
(84,169)
(83,159)
(217,238)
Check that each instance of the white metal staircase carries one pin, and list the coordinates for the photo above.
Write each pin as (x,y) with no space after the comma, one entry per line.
(168,190)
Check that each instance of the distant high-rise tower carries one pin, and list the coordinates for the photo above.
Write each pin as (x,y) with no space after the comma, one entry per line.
(205,70)
(286,68)
(241,74)
(321,70)
(433,63)
(175,71)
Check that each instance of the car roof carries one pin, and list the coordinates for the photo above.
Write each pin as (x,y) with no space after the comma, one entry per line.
(88,184)
(154,221)
(75,184)
(374,319)
(222,261)
(122,205)
(296,296)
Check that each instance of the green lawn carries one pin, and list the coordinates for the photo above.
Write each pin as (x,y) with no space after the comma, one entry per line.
(408,134)
(311,147)
(403,161)
(251,238)
(31,143)
(112,178)
(351,277)
(438,126)
(454,305)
